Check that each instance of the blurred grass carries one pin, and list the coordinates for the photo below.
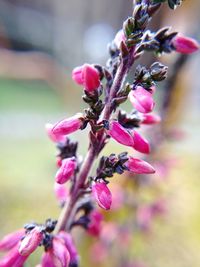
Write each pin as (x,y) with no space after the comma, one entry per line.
(27,171)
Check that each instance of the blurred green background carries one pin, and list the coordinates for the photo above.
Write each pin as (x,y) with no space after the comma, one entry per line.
(35,87)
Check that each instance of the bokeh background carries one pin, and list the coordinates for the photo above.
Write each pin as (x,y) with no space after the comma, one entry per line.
(40,43)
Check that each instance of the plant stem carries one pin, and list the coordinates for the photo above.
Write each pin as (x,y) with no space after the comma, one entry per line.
(68,211)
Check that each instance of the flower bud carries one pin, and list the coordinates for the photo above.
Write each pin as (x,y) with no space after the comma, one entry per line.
(119,37)
(142,100)
(88,76)
(185,45)
(139,166)
(61,193)
(57,255)
(120,134)
(95,224)
(13,259)
(102,195)
(68,126)
(66,170)
(69,243)
(77,75)
(54,137)
(31,241)
(140,143)
(9,241)
(150,119)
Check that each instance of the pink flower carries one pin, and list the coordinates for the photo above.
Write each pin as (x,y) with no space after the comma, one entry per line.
(54,137)
(119,37)
(77,75)
(185,45)
(142,100)
(66,170)
(150,119)
(140,143)
(139,166)
(57,255)
(120,134)
(88,76)
(9,241)
(68,126)
(31,241)
(69,244)
(102,195)
(13,259)
(61,193)
(94,227)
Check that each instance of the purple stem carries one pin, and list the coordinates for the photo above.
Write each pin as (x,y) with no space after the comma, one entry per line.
(67,214)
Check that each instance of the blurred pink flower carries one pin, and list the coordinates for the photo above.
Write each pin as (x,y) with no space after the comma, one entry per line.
(61,193)
(94,227)
(54,137)
(66,170)
(31,241)
(9,241)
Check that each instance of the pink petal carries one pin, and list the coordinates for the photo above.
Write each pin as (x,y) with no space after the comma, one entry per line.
(139,166)
(185,45)
(140,143)
(91,78)
(102,195)
(120,134)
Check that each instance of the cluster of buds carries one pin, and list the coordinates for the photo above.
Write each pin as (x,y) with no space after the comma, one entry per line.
(104,91)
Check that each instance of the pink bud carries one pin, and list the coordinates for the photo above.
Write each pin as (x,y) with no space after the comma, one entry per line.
(140,143)
(102,195)
(54,137)
(150,119)
(185,45)
(13,259)
(61,193)
(91,79)
(9,241)
(66,170)
(94,227)
(142,100)
(57,255)
(31,241)
(88,76)
(120,134)
(119,37)
(68,126)
(48,259)
(139,166)
(69,243)
(77,75)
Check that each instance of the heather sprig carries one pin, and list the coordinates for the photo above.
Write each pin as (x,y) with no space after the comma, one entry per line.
(104,89)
